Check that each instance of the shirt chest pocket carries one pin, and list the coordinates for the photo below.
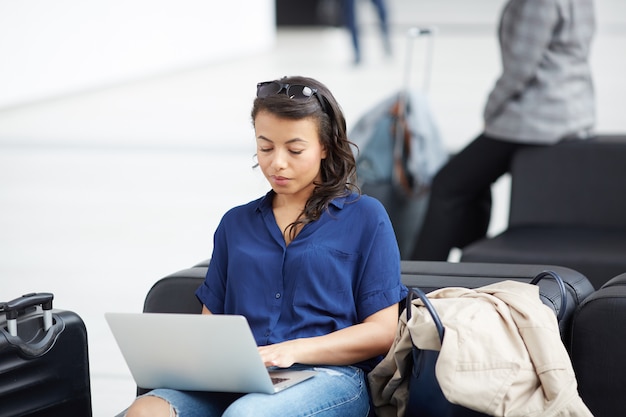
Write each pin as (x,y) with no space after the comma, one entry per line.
(326,279)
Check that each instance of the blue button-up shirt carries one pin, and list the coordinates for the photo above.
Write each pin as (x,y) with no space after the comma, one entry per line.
(338,270)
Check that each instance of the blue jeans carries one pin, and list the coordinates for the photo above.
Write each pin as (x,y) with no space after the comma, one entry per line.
(336,391)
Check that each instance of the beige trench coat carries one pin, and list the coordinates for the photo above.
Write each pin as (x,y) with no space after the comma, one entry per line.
(502,354)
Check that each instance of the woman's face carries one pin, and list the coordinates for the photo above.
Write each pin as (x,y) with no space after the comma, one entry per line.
(289,153)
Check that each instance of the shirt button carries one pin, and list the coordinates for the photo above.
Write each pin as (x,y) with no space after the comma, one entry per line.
(277,295)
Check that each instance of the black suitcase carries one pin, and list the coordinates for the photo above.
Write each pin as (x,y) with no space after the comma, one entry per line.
(44,366)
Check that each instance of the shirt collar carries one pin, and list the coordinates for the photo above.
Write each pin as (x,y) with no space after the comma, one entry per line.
(265,202)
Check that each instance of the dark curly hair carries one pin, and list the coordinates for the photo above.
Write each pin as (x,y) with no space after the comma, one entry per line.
(338,169)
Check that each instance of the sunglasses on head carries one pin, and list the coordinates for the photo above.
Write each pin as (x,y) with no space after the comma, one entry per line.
(293,91)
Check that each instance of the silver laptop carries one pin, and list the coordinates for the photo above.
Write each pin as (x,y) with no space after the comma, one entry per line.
(196,352)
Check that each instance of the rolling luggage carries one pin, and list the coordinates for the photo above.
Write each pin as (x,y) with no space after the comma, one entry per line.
(400,150)
(44,367)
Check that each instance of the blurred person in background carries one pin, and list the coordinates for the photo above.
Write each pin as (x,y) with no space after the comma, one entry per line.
(543,96)
(350,20)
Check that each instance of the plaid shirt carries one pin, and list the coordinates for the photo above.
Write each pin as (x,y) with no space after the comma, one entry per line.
(545,92)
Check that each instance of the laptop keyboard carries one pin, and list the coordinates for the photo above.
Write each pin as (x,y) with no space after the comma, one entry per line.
(278,380)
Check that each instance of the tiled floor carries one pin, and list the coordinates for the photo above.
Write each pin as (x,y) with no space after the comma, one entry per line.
(104,192)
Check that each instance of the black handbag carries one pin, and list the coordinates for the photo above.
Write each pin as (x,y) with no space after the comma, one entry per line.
(425,396)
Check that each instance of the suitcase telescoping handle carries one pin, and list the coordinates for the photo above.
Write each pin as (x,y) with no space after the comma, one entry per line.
(412,34)
(13,307)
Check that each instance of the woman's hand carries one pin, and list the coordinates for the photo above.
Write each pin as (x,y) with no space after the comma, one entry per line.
(282,355)
(343,347)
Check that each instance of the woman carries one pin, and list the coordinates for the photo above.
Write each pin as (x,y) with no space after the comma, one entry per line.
(312,265)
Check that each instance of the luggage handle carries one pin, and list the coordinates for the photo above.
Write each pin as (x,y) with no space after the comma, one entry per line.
(13,307)
(400,129)
(412,34)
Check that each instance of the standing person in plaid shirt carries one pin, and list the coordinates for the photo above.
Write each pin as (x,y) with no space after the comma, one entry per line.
(543,96)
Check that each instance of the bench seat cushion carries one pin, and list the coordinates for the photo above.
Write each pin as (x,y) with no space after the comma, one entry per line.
(597,253)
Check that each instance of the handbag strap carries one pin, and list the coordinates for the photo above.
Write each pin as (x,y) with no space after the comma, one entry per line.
(562,289)
(419,293)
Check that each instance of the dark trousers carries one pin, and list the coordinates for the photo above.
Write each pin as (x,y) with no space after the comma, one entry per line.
(349,17)
(459,207)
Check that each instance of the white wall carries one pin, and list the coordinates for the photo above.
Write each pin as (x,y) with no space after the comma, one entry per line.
(50,48)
